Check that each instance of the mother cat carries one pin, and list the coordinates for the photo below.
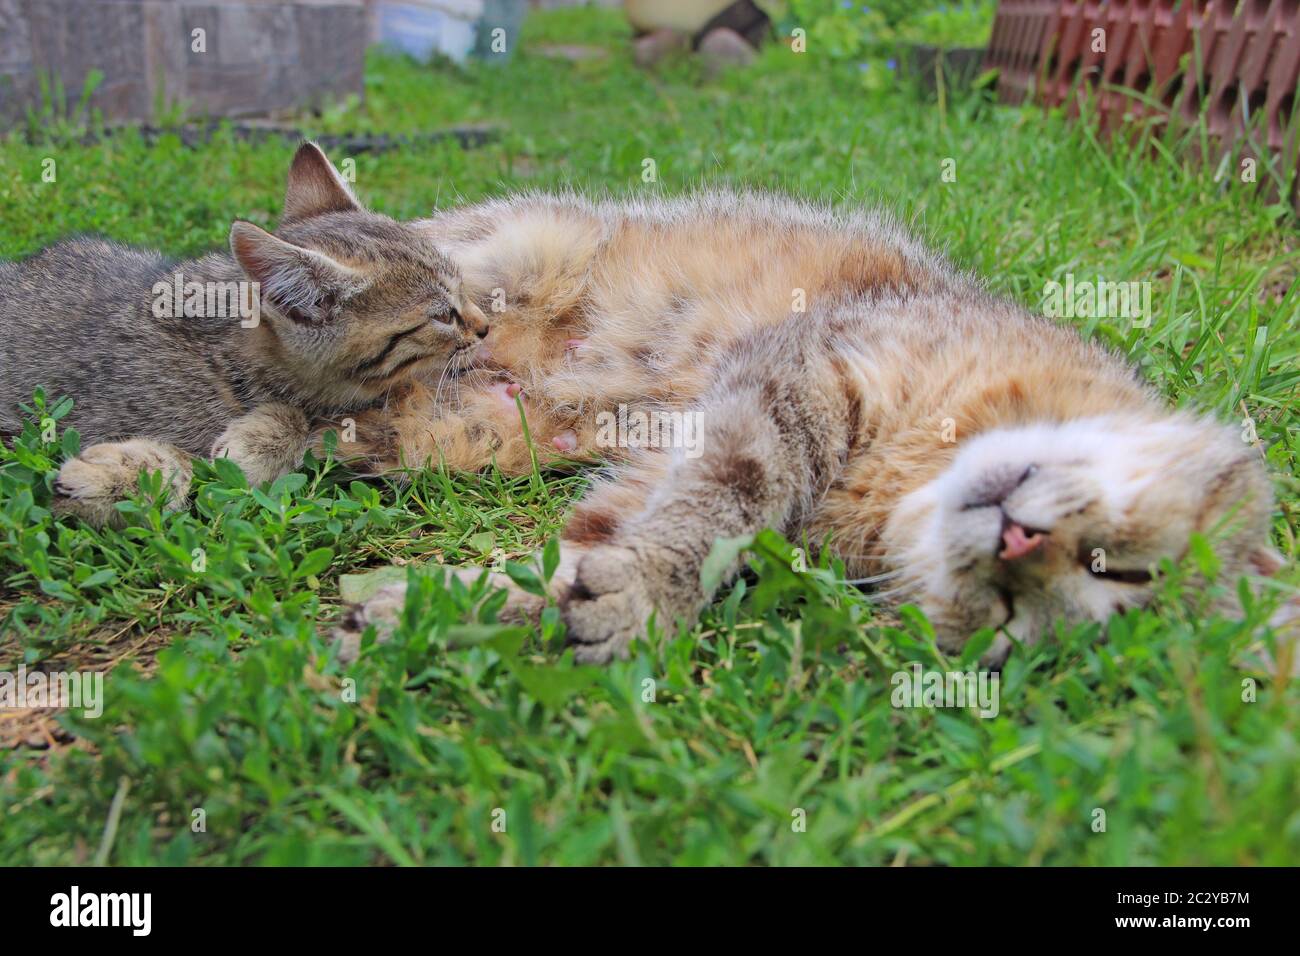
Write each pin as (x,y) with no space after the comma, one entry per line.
(997,469)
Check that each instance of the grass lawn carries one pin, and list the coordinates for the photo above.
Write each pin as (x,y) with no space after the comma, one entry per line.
(765,734)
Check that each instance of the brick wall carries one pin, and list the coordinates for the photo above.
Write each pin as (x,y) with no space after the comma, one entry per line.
(253,56)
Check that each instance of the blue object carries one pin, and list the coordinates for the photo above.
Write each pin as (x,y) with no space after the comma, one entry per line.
(424,31)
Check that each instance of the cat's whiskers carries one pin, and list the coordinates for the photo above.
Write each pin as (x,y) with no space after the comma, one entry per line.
(460,391)
(442,378)
(891,595)
(873,579)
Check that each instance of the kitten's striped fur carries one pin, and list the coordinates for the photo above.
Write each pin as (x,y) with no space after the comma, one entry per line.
(352,304)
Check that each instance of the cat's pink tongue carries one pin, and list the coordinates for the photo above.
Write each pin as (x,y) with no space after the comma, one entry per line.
(1018,544)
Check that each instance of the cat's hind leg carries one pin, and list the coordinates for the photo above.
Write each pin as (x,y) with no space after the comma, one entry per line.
(90,485)
(478,424)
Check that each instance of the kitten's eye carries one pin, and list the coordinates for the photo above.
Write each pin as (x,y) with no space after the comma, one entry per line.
(446,318)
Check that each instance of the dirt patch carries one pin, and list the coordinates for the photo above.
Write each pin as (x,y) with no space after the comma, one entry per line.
(39,728)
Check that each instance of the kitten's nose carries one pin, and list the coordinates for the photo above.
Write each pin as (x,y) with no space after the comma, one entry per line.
(474,319)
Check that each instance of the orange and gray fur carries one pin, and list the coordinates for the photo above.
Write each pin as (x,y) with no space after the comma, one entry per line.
(349,305)
(849,384)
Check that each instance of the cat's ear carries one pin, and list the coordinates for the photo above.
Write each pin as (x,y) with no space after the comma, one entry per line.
(303,284)
(315,186)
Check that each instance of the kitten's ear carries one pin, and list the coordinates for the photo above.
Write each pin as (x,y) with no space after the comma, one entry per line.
(303,284)
(315,187)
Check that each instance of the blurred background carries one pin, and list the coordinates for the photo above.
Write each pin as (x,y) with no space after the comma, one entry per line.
(146,59)
(158,121)
(170,117)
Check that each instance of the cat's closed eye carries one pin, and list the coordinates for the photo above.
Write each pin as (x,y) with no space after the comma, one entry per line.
(1119,575)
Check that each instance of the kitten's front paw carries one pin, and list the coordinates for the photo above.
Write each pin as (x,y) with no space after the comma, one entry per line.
(268,442)
(607,606)
(383,609)
(89,485)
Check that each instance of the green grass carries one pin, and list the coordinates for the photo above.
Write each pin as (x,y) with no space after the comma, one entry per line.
(224,696)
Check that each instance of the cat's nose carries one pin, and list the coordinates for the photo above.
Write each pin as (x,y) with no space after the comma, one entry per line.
(996,487)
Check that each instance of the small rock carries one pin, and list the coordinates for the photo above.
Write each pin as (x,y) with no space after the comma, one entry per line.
(722,48)
(651,48)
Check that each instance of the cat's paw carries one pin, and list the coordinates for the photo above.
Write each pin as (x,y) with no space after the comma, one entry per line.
(607,605)
(89,485)
(268,442)
(1285,622)
(384,608)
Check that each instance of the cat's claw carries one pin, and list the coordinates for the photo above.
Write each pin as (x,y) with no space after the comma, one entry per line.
(607,607)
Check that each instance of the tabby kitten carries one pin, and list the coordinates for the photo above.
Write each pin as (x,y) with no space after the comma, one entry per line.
(848,383)
(231,354)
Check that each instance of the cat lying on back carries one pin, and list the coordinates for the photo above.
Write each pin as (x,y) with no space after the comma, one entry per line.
(351,305)
(992,467)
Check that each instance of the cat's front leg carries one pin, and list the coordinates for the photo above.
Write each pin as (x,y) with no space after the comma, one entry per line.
(266,443)
(770,439)
(90,485)
(649,561)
